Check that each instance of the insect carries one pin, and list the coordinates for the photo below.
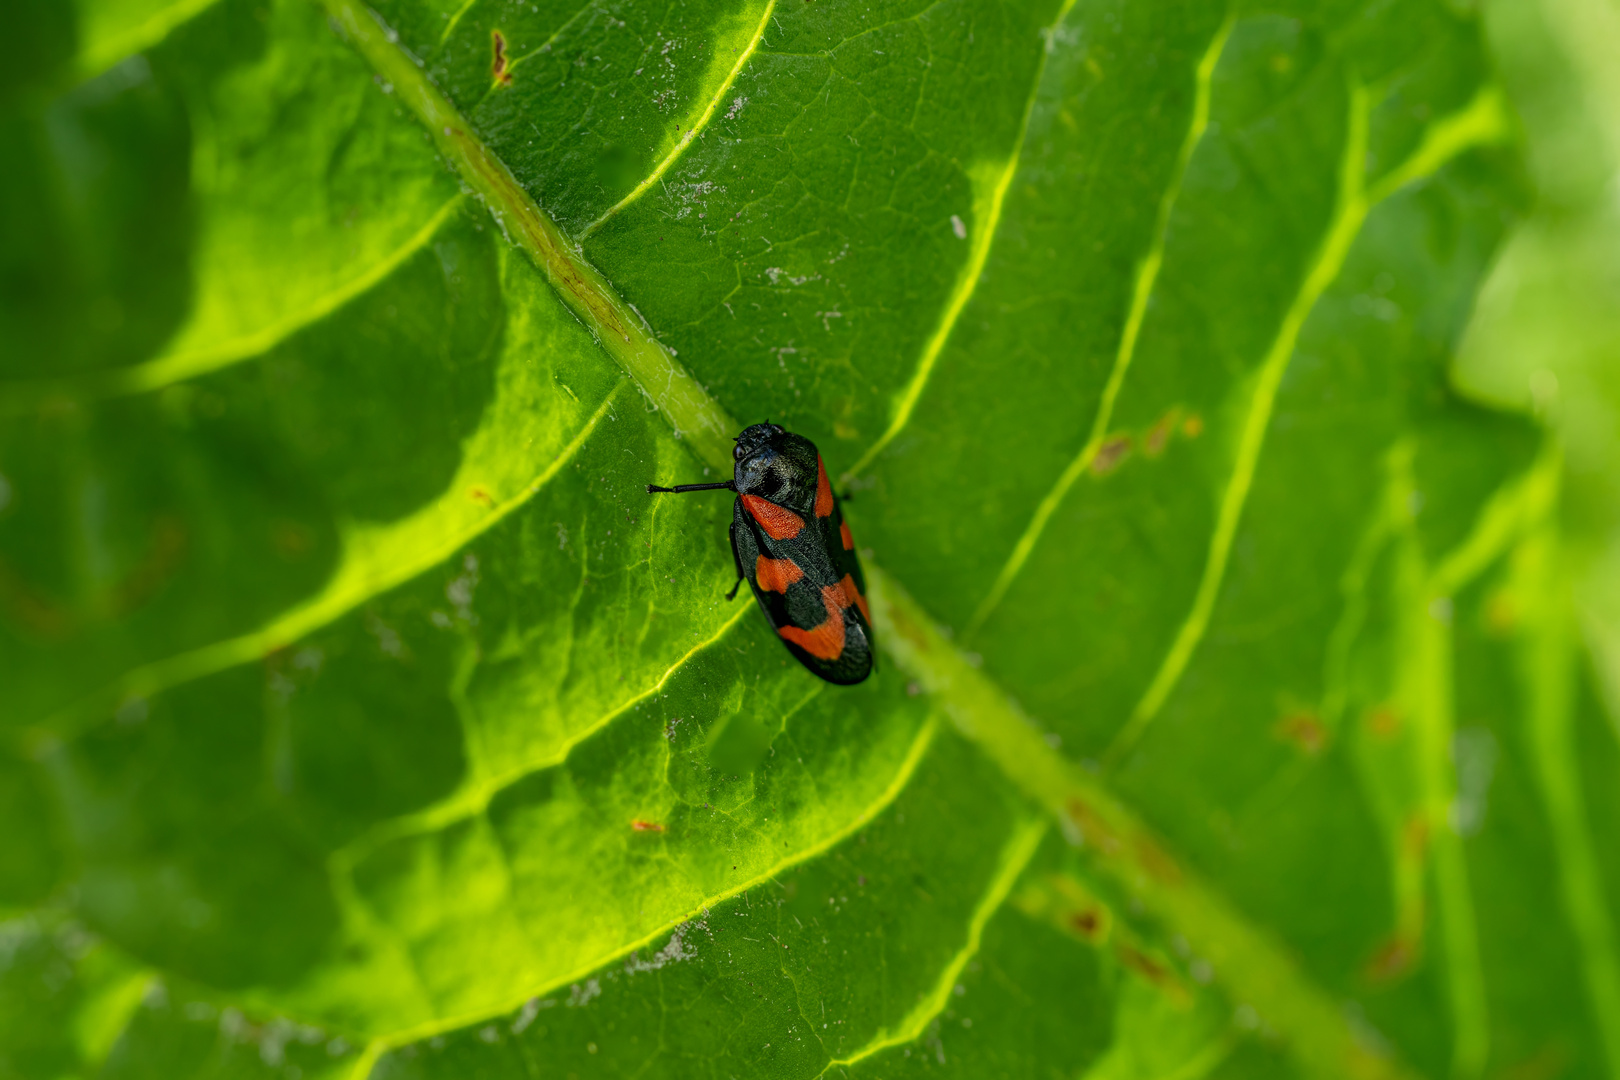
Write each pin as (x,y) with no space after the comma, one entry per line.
(791,543)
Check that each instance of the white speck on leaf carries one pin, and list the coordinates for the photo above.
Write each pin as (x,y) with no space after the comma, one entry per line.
(387,637)
(674,950)
(233,1025)
(959,227)
(281,686)
(531,1009)
(1473,752)
(460,590)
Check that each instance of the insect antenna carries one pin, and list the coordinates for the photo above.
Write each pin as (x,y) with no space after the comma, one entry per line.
(678,489)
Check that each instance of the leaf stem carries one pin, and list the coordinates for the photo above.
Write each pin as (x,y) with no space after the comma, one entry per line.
(1255,970)
(621,331)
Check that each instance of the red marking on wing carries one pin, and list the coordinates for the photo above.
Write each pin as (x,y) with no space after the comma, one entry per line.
(825,640)
(824,499)
(852,594)
(849,541)
(775,575)
(778,522)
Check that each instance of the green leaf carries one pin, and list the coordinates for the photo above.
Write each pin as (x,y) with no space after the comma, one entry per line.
(1232,715)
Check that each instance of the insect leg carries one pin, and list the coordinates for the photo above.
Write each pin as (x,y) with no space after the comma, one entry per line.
(736,555)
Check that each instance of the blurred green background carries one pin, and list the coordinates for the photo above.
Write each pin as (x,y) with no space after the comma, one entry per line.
(1550,303)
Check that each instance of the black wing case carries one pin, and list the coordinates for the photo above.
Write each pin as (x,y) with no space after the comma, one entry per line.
(795,583)
(841,552)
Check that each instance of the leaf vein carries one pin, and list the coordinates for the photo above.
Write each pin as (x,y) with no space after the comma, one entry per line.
(693,132)
(1147,275)
(1015,855)
(972,272)
(1479,122)
(914,755)
(354,582)
(177,367)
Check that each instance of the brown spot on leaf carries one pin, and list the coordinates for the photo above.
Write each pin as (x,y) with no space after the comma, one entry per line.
(1393,959)
(908,629)
(498,68)
(157,565)
(1501,613)
(646,826)
(1304,730)
(479,495)
(1153,970)
(1110,454)
(1093,830)
(1157,862)
(1384,722)
(1091,923)
(1415,837)
(1143,964)
(1158,436)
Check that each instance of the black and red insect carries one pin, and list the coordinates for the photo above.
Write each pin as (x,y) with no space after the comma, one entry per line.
(790,541)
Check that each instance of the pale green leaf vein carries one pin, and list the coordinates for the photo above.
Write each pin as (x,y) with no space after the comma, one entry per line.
(621,332)
(1429,675)
(908,767)
(545,46)
(176,367)
(692,132)
(1147,274)
(138,38)
(474,796)
(455,20)
(1015,855)
(1254,969)
(1480,122)
(987,216)
(1549,660)
(370,566)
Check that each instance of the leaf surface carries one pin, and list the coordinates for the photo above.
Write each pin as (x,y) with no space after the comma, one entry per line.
(371,717)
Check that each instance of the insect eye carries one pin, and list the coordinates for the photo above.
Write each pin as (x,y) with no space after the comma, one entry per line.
(737,452)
